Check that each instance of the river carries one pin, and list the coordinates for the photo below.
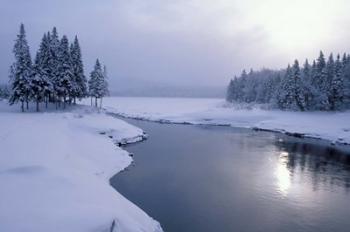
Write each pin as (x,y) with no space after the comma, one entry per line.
(211,178)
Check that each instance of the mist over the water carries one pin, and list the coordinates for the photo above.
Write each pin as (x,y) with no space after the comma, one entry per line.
(174,48)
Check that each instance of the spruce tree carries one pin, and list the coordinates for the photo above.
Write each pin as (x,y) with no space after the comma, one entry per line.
(65,74)
(22,71)
(54,44)
(80,88)
(299,88)
(97,83)
(43,70)
(38,83)
(292,95)
(105,78)
(306,79)
(319,82)
(336,88)
(230,92)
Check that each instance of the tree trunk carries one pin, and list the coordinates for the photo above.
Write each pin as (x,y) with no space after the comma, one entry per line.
(75,101)
(64,102)
(95,101)
(91,100)
(37,106)
(100,102)
(46,100)
(22,106)
(27,105)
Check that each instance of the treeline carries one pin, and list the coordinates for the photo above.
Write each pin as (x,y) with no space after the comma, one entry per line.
(322,85)
(56,75)
(4,92)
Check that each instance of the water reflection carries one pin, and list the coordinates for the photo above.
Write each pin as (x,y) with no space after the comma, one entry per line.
(228,179)
(283,174)
(319,164)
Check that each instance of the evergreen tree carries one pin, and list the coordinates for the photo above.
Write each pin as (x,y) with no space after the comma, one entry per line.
(242,87)
(346,79)
(283,98)
(54,44)
(43,69)
(306,81)
(336,88)
(292,95)
(39,83)
(80,88)
(65,75)
(230,91)
(22,70)
(105,77)
(97,83)
(319,82)
(4,92)
(320,86)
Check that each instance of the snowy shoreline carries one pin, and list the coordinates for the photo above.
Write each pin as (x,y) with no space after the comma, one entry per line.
(342,146)
(55,169)
(332,127)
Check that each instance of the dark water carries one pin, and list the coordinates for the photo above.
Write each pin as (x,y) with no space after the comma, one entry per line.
(195,178)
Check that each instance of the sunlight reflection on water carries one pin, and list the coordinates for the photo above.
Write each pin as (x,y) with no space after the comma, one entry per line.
(282,174)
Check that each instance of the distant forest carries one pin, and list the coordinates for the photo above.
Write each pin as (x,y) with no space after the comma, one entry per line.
(55,76)
(322,85)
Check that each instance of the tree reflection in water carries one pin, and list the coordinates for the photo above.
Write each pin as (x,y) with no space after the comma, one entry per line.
(324,164)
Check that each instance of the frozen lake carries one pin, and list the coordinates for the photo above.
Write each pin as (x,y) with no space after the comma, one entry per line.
(197,178)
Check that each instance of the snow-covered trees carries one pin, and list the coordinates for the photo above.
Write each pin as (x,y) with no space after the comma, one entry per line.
(22,70)
(291,94)
(4,92)
(56,76)
(65,83)
(80,88)
(324,85)
(98,86)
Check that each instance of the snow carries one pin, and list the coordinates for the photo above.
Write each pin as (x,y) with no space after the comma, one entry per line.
(332,126)
(55,169)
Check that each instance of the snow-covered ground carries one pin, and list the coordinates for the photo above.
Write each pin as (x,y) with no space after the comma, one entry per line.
(332,126)
(55,169)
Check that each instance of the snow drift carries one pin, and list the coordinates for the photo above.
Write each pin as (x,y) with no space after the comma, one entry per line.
(55,170)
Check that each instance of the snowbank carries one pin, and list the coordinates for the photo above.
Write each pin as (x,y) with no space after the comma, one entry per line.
(55,170)
(331,126)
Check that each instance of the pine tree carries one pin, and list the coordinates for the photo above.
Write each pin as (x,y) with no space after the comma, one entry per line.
(43,70)
(22,70)
(54,44)
(97,84)
(39,83)
(105,77)
(306,81)
(242,87)
(230,91)
(299,88)
(336,88)
(346,78)
(65,74)
(283,98)
(80,88)
(292,95)
(319,83)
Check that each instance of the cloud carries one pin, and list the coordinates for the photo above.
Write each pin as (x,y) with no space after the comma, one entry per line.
(186,42)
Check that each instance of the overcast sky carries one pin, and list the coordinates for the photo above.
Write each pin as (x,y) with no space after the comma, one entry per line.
(181,42)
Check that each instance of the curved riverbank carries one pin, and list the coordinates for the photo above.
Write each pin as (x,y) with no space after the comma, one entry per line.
(330,126)
(55,169)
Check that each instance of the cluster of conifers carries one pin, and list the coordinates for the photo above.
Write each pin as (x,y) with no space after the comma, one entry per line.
(322,85)
(56,75)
